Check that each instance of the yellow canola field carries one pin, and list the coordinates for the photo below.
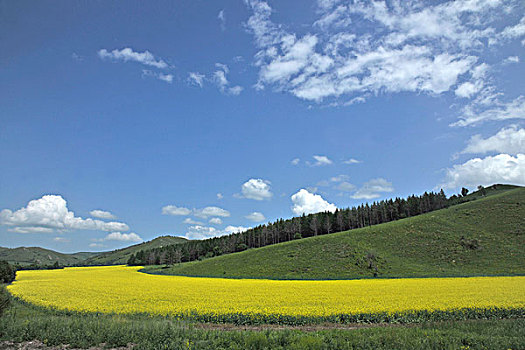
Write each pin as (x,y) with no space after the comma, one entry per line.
(121,289)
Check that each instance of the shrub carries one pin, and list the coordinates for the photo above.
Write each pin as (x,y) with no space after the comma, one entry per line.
(7,272)
(5,300)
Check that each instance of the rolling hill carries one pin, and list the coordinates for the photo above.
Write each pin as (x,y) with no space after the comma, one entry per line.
(121,256)
(485,236)
(41,256)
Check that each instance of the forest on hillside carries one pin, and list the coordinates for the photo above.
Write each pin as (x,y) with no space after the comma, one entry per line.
(296,228)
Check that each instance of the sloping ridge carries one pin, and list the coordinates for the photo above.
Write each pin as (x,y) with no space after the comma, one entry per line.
(121,256)
(40,256)
(482,237)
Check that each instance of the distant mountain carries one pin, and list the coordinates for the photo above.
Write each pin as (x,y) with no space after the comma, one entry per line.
(121,256)
(41,256)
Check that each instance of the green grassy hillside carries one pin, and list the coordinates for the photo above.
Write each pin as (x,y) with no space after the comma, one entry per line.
(121,256)
(40,256)
(483,237)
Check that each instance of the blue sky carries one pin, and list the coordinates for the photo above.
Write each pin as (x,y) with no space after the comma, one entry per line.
(122,121)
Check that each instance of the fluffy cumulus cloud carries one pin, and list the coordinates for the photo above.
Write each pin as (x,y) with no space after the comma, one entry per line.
(468,89)
(255,217)
(234,229)
(123,237)
(49,214)
(127,54)
(102,214)
(174,210)
(509,140)
(210,212)
(215,221)
(320,160)
(373,189)
(511,60)
(190,221)
(501,168)
(203,232)
(257,189)
(309,203)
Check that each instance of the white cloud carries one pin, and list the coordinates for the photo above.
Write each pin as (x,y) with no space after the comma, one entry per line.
(481,110)
(210,211)
(502,168)
(173,210)
(255,217)
(345,186)
(220,79)
(203,213)
(396,47)
(61,240)
(309,203)
(235,229)
(511,59)
(168,78)
(373,189)
(235,90)
(215,221)
(222,19)
(201,232)
(480,71)
(220,196)
(49,214)
(468,89)
(192,222)
(196,78)
(204,232)
(123,237)
(352,161)
(257,189)
(321,160)
(295,161)
(102,214)
(509,140)
(509,33)
(127,54)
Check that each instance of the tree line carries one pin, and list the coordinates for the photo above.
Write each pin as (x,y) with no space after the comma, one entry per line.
(295,228)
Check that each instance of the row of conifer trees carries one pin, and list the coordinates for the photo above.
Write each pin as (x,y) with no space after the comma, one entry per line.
(294,228)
